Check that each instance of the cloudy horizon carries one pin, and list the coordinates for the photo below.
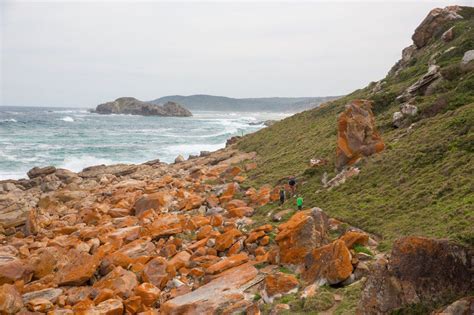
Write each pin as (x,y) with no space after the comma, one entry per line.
(80,54)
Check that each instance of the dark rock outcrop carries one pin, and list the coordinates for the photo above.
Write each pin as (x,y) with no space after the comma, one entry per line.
(434,23)
(132,106)
(420,270)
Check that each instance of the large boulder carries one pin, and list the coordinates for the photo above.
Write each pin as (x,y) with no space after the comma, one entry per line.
(420,86)
(208,299)
(434,23)
(329,264)
(357,134)
(278,284)
(157,201)
(10,299)
(40,171)
(303,232)
(420,270)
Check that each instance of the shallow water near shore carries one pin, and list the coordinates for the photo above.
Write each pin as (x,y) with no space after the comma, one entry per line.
(74,138)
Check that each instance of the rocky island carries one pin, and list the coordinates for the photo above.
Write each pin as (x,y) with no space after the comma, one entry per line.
(132,106)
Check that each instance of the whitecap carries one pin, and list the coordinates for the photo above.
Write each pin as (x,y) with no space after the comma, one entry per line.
(9,120)
(77,164)
(68,119)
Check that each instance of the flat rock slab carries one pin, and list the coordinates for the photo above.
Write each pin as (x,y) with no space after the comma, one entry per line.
(224,290)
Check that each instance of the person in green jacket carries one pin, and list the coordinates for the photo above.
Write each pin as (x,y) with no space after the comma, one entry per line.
(299,202)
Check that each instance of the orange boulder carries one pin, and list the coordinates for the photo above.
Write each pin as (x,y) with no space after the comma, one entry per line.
(357,135)
(224,241)
(79,268)
(120,281)
(225,290)
(10,299)
(157,201)
(227,263)
(240,212)
(352,238)
(278,284)
(158,272)
(148,293)
(303,232)
(329,264)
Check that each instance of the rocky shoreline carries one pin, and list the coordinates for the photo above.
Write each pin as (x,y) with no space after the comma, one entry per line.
(179,238)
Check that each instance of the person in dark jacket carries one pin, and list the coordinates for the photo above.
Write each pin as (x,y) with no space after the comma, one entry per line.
(282,196)
(292,184)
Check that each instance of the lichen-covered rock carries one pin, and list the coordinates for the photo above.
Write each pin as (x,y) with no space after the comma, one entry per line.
(10,299)
(303,232)
(148,293)
(120,281)
(357,135)
(352,238)
(78,268)
(278,284)
(225,290)
(156,201)
(329,264)
(420,270)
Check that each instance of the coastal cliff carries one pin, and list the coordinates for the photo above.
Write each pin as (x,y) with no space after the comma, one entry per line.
(385,229)
(132,106)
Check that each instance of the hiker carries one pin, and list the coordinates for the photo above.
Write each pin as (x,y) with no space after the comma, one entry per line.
(292,184)
(299,202)
(282,196)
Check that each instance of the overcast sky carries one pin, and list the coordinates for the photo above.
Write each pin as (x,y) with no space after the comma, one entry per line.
(85,53)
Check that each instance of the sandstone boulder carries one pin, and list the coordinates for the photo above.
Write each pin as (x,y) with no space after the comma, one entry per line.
(10,300)
(434,23)
(120,281)
(329,264)
(277,285)
(225,290)
(78,268)
(303,232)
(357,135)
(40,171)
(156,201)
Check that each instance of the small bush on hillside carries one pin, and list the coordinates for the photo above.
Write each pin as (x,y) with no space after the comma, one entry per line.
(362,249)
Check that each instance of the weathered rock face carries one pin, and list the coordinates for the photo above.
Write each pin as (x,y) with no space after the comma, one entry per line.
(468,57)
(224,290)
(420,86)
(464,306)
(434,23)
(277,285)
(329,264)
(420,270)
(132,106)
(303,232)
(10,300)
(37,171)
(357,134)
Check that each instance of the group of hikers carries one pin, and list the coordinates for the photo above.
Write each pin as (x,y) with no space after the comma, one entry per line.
(292,188)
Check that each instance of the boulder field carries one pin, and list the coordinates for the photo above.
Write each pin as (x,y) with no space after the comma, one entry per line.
(180,239)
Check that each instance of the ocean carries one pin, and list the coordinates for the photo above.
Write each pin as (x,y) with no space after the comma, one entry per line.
(74,138)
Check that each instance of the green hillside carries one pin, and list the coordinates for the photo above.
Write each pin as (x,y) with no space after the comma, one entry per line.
(422,183)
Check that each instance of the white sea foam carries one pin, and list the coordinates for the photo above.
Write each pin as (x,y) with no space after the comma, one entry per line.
(9,120)
(68,119)
(77,164)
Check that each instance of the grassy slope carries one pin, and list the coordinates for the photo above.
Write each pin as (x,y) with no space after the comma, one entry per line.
(421,184)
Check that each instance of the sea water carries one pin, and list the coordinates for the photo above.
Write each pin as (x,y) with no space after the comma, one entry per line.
(75,138)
